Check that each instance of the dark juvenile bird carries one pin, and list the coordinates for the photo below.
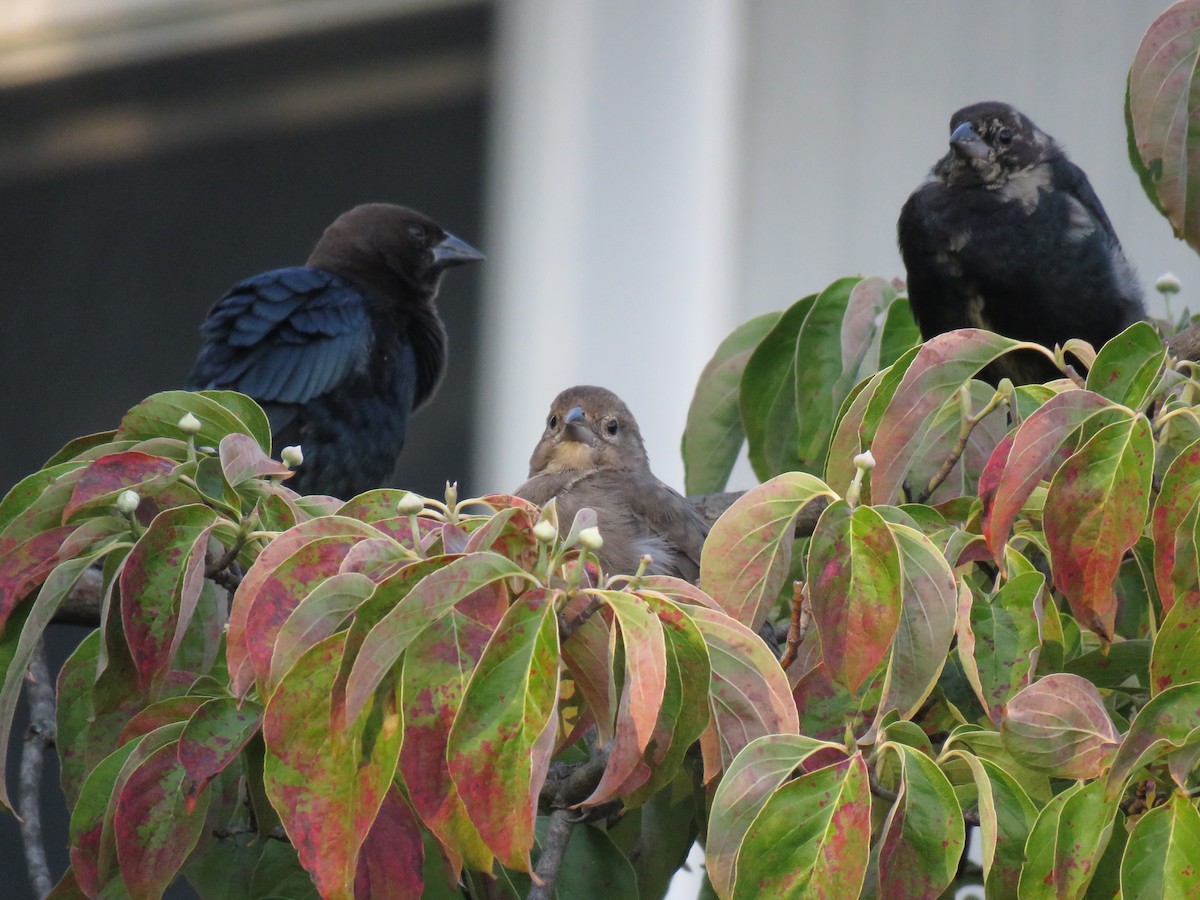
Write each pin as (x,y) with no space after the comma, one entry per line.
(591,455)
(340,350)
(1007,234)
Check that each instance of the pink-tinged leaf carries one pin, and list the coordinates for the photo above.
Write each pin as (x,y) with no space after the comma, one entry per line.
(1162,93)
(160,585)
(1017,466)
(812,837)
(1178,496)
(676,590)
(437,667)
(429,600)
(377,558)
(1095,511)
(940,367)
(251,632)
(154,834)
(1058,725)
(828,711)
(26,566)
(855,590)
(391,860)
(923,837)
(1174,659)
(35,504)
(326,785)
(748,552)
(499,746)
(93,851)
(510,533)
(242,459)
(928,604)
(847,440)
(156,715)
(317,616)
(714,434)
(586,656)
(1168,722)
(999,640)
(763,766)
(105,478)
(869,302)
(213,738)
(749,693)
(645,682)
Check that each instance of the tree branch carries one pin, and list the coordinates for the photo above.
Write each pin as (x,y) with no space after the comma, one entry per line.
(40,736)
(554,850)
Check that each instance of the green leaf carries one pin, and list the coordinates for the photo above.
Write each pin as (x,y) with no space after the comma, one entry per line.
(1084,827)
(318,616)
(1167,860)
(713,434)
(1176,558)
(212,739)
(1169,722)
(1095,510)
(1128,366)
(1058,725)
(220,413)
(75,680)
(593,868)
(748,553)
(500,744)
(811,838)
(900,333)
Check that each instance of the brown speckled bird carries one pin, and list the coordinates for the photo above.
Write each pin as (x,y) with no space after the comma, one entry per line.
(591,455)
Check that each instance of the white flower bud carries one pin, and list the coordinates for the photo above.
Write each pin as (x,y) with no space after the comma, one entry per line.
(590,538)
(189,424)
(1005,386)
(292,456)
(451,494)
(545,531)
(865,461)
(1167,284)
(127,502)
(410,504)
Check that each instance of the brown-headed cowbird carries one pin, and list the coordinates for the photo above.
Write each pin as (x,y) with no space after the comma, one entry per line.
(340,350)
(591,455)
(1007,234)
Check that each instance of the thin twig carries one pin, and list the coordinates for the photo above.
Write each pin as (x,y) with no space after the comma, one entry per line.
(39,737)
(964,434)
(797,629)
(554,850)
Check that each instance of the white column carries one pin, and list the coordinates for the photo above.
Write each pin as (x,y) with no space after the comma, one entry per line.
(612,215)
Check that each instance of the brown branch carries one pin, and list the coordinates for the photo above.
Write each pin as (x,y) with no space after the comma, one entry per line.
(554,850)
(40,736)
(964,434)
(798,627)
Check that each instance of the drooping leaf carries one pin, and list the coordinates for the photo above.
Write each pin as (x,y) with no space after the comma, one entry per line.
(212,739)
(500,744)
(317,616)
(713,434)
(1167,861)
(1095,511)
(1059,725)
(242,459)
(1178,580)
(75,680)
(747,555)
(392,857)
(867,307)
(1083,827)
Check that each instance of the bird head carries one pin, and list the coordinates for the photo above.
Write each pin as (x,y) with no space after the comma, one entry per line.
(989,143)
(379,242)
(588,429)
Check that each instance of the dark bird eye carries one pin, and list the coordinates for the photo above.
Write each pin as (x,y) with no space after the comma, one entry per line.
(1005,136)
(417,230)
(552,421)
(611,426)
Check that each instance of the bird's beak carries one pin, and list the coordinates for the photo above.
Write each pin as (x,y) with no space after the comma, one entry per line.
(577,428)
(452,251)
(967,143)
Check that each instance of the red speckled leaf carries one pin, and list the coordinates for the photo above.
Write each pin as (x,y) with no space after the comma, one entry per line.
(327,786)
(1058,725)
(92,844)
(499,746)
(1178,496)
(1175,658)
(437,667)
(429,600)
(1170,721)
(642,691)
(1084,826)
(317,616)
(75,679)
(923,837)
(812,837)
(855,590)
(1095,511)
(1168,842)
(26,565)
(828,711)
(1162,93)
(104,479)
(251,632)
(377,558)
(242,459)
(762,767)
(510,533)
(160,585)
(928,603)
(154,834)
(32,507)
(749,694)
(586,656)
(391,860)
(1017,467)
(156,715)
(748,553)
(940,367)
(212,739)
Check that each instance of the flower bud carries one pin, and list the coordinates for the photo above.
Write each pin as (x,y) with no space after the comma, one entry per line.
(545,531)
(189,424)
(1167,284)
(451,494)
(127,502)
(292,456)
(865,461)
(410,504)
(590,538)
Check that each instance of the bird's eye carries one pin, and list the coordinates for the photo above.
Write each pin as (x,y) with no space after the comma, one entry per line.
(552,421)
(611,426)
(1005,136)
(417,231)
